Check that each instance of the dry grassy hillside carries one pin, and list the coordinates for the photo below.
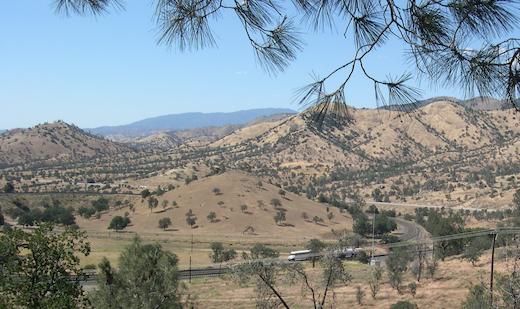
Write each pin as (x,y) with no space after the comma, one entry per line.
(441,141)
(158,141)
(235,189)
(56,141)
(441,153)
(381,134)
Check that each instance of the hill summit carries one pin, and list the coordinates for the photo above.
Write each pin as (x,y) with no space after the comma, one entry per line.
(56,141)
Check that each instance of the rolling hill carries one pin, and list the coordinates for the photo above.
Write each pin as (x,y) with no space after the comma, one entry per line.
(234,189)
(56,141)
(441,153)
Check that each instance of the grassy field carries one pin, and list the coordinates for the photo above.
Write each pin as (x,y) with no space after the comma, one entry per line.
(448,289)
(110,244)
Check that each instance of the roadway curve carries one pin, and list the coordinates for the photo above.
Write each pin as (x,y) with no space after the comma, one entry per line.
(409,230)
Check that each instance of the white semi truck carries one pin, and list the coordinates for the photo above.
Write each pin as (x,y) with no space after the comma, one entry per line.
(306,255)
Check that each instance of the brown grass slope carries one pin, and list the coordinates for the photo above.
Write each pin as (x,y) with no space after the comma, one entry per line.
(380,134)
(158,141)
(56,141)
(236,189)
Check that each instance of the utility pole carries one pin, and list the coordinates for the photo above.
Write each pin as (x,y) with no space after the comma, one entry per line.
(492,268)
(373,236)
(191,252)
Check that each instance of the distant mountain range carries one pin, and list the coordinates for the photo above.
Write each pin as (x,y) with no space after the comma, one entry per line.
(186,121)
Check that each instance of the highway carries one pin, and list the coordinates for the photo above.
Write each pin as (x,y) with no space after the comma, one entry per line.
(407,231)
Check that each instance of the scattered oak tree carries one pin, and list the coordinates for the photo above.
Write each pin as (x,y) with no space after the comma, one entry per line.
(164,223)
(212,216)
(152,203)
(119,223)
(191,219)
(220,254)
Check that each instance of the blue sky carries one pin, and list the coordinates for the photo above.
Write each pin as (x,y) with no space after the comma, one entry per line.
(108,70)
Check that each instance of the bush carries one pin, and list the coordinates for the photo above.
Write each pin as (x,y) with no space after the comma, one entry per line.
(212,216)
(316,245)
(260,251)
(86,212)
(55,214)
(220,254)
(9,188)
(164,223)
(58,214)
(100,204)
(145,193)
(118,223)
(362,257)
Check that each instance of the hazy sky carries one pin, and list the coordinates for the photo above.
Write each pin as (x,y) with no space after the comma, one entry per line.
(108,70)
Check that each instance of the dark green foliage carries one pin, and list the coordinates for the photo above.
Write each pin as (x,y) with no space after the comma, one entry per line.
(478,298)
(397,265)
(118,223)
(152,203)
(475,248)
(164,223)
(147,277)
(220,254)
(439,223)
(101,204)
(55,214)
(2,220)
(372,209)
(384,224)
(145,193)
(316,245)
(276,202)
(516,202)
(211,216)
(279,217)
(191,219)
(36,268)
(361,225)
(377,195)
(260,251)
(59,215)
(363,257)
(86,212)
(8,188)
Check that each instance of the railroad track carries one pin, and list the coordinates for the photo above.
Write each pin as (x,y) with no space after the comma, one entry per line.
(185,274)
